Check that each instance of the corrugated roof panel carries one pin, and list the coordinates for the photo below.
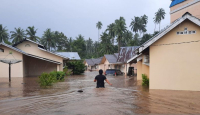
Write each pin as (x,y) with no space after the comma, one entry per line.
(126,53)
(70,55)
(175,2)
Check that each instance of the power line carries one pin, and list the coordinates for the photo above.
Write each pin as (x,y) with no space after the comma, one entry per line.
(179,43)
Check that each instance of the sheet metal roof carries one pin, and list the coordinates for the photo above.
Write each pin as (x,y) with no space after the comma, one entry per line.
(126,53)
(70,55)
(175,2)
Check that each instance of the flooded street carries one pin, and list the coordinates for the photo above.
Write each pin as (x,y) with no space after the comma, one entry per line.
(126,97)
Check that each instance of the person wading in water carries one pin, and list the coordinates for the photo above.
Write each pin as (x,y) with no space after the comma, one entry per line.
(100,80)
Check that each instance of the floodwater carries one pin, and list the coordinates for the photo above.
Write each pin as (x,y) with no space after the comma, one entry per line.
(126,97)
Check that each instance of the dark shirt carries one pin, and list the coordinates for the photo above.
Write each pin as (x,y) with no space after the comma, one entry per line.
(100,81)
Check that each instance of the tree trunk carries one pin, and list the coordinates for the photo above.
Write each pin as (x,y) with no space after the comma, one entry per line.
(159,27)
(119,44)
(155,28)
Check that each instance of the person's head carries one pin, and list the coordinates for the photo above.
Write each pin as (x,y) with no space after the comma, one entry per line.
(100,72)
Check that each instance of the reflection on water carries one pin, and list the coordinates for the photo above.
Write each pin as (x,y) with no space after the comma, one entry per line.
(126,96)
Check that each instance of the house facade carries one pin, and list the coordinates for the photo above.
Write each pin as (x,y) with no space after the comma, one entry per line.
(110,62)
(171,58)
(92,64)
(179,7)
(35,59)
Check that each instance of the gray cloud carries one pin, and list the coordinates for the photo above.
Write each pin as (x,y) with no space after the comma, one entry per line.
(74,17)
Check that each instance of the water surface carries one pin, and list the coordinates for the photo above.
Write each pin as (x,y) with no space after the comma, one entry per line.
(126,97)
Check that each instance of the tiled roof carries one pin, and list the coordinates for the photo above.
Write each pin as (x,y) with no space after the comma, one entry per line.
(89,62)
(175,2)
(93,62)
(111,58)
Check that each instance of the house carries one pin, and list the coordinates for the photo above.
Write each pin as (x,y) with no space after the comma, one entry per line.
(35,59)
(73,56)
(125,54)
(92,64)
(171,59)
(110,62)
(179,7)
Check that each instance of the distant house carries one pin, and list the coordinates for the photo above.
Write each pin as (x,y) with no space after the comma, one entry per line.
(70,55)
(171,59)
(92,64)
(35,59)
(110,62)
(73,56)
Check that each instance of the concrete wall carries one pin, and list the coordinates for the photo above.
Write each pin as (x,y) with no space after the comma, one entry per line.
(176,67)
(139,70)
(35,67)
(34,50)
(142,69)
(193,9)
(16,69)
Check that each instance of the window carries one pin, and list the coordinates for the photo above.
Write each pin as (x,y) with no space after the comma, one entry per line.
(146,59)
(181,32)
(193,32)
(185,32)
(189,32)
(27,45)
(1,50)
(185,29)
(178,32)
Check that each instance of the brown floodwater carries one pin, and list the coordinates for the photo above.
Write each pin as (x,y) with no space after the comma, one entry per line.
(126,97)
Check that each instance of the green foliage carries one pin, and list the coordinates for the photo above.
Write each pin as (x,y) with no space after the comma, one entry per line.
(4,36)
(31,34)
(67,72)
(138,24)
(78,67)
(145,80)
(47,79)
(17,35)
(159,16)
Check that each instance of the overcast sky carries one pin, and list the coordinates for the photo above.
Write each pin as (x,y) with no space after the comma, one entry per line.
(74,17)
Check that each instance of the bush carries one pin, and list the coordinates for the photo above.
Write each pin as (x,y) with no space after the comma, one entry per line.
(59,75)
(77,67)
(67,72)
(145,80)
(48,79)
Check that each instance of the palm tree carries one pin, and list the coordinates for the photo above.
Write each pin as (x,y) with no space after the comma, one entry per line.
(79,46)
(48,39)
(60,40)
(135,24)
(120,29)
(99,26)
(89,43)
(127,37)
(138,24)
(17,35)
(111,31)
(31,34)
(4,36)
(159,16)
(106,45)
